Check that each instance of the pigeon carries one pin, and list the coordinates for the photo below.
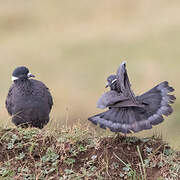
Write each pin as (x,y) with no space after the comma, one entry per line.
(29,101)
(128,113)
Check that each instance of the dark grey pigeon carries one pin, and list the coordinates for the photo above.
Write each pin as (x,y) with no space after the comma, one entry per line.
(29,101)
(129,113)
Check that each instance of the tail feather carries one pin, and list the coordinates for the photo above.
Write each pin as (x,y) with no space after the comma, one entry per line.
(123,120)
(158,99)
(156,119)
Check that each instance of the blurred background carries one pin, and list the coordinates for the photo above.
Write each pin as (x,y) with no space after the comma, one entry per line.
(72,46)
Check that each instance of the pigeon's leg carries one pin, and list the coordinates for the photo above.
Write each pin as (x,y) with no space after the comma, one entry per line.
(119,135)
(116,135)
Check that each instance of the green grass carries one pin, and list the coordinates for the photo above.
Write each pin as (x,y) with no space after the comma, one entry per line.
(73,46)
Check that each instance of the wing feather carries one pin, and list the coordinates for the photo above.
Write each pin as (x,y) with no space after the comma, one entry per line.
(123,83)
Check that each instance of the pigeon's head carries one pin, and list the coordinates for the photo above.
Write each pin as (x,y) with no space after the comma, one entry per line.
(21,73)
(112,82)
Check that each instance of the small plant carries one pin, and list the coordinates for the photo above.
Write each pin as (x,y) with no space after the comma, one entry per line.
(28,133)
(70,161)
(82,148)
(6,172)
(149,150)
(146,163)
(21,156)
(168,151)
(14,138)
(50,156)
(26,173)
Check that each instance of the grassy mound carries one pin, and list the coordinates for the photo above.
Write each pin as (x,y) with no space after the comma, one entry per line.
(78,154)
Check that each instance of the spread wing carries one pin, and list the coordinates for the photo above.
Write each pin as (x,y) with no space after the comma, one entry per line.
(123,83)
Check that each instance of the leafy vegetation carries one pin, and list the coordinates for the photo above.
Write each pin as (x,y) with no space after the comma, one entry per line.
(77,153)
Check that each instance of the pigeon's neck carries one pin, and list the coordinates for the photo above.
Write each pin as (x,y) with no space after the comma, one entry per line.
(115,88)
(21,81)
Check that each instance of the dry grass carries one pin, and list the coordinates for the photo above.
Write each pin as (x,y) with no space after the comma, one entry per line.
(74,46)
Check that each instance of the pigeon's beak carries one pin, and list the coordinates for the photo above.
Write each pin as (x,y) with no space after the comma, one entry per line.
(30,75)
(107,85)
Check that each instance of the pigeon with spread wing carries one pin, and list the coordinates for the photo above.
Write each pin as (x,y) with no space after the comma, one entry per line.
(129,113)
